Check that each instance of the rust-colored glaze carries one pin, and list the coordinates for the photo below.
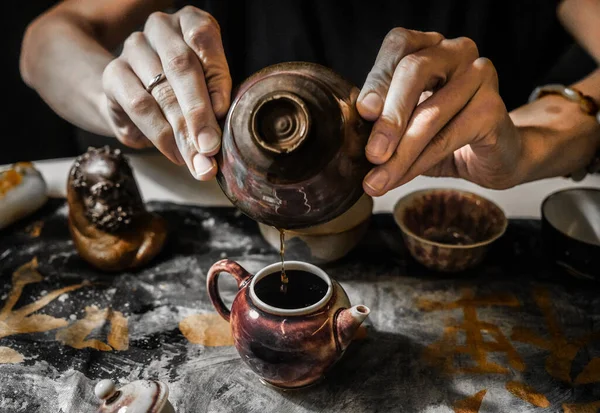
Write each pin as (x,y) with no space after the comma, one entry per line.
(285,350)
(242,277)
(447,229)
(293,154)
(109,224)
(9,180)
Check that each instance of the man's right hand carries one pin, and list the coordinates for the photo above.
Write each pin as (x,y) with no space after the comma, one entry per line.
(179,115)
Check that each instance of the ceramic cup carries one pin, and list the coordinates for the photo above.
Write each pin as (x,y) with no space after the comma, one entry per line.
(449,229)
(287,347)
(571,230)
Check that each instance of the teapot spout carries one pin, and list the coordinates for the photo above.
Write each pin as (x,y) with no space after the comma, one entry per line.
(347,323)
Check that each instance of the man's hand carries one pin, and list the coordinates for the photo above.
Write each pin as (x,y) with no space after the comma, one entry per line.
(437,112)
(179,115)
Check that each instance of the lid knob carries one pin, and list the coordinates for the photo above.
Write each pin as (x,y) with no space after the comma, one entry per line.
(280,122)
(104,389)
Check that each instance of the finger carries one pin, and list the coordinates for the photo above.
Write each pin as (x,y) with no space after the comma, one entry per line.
(446,168)
(202,34)
(123,87)
(144,62)
(186,78)
(428,122)
(384,178)
(125,130)
(397,44)
(484,111)
(123,127)
(421,71)
(430,117)
(478,121)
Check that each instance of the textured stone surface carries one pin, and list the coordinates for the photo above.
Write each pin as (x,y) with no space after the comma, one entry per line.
(407,363)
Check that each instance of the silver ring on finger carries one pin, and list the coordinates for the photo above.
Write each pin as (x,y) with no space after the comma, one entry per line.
(154,82)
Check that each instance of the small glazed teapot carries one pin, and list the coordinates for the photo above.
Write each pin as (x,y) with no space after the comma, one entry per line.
(293,148)
(142,396)
(288,348)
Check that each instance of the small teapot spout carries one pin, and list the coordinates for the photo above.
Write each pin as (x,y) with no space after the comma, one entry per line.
(347,323)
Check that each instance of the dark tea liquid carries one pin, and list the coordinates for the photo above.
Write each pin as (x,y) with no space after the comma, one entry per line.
(284,278)
(303,289)
(450,236)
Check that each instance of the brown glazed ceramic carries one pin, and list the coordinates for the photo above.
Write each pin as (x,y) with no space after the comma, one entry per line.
(108,221)
(293,150)
(448,229)
(287,348)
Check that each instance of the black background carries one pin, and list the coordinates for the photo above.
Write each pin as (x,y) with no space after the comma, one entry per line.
(31,130)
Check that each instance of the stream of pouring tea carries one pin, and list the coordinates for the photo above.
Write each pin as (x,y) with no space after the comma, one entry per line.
(284,278)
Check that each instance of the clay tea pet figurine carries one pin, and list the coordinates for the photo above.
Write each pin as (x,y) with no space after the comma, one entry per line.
(108,220)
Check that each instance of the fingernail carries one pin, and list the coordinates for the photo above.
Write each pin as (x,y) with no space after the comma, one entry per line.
(377,179)
(209,140)
(378,145)
(202,165)
(372,102)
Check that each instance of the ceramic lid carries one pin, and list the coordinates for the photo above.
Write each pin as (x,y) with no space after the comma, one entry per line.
(142,396)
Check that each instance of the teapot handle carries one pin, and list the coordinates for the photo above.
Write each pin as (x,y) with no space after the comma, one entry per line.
(212,285)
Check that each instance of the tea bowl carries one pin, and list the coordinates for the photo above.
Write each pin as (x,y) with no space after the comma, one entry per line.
(327,242)
(448,230)
(571,230)
(288,348)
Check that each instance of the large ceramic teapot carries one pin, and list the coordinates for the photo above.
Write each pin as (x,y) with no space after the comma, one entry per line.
(293,151)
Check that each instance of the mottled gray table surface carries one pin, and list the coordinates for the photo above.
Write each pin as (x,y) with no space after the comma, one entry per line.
(510,336)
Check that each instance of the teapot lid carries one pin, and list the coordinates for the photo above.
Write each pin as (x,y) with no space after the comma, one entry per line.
(142,396)
(293,149)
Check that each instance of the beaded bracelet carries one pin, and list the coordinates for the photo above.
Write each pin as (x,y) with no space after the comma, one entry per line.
(588,106)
